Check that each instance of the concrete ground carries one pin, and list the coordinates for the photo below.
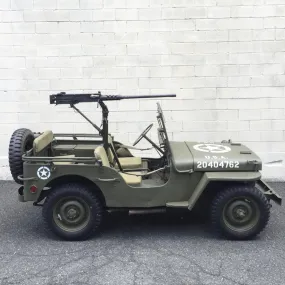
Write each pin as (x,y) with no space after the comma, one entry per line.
(135,250)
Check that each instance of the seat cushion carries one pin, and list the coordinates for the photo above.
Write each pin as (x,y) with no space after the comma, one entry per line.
(130,162)
(101,154)
(64,162)
(42,141)
(131,179)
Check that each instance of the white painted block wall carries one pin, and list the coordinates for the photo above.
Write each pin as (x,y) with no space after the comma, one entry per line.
(223,58)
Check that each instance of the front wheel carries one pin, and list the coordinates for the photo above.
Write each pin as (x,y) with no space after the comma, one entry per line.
(240,213)
(72,211)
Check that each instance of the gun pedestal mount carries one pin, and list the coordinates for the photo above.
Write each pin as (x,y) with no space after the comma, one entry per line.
(72,99)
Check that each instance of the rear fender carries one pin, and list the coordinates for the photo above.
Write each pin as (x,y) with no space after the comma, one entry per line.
(43,186)
(218,176)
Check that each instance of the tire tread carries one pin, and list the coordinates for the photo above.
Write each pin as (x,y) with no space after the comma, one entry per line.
(83,191)
(230,192)
(16,150)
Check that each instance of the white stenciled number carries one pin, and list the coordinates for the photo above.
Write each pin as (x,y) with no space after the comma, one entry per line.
(218,164)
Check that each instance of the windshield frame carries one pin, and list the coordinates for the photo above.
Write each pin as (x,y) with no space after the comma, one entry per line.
(162,132)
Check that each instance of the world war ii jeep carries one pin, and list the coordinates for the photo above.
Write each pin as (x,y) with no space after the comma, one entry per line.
(79,177)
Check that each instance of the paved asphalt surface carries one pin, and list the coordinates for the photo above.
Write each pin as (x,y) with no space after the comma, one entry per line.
(135,250)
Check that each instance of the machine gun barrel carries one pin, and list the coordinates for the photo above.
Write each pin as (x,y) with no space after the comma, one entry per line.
(147,96)
(72,99)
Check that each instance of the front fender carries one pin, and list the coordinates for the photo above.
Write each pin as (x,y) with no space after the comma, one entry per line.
(220,176)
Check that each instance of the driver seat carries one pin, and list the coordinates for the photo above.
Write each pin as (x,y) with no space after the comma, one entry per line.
(126,162)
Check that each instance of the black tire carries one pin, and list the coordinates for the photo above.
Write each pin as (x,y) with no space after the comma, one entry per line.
(76,198)
(20,142)
(240,213)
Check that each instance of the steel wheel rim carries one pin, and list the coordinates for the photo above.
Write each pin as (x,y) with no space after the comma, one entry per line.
(71,214)
(241,214)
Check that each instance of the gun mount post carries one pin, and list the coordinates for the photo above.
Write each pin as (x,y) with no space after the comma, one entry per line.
(105,127)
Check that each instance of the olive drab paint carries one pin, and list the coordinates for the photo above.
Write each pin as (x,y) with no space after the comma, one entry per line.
(186,167)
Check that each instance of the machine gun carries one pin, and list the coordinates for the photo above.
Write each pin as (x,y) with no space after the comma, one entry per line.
(72,99)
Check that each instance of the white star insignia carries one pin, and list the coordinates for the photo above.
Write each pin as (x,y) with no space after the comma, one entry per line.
(43,173)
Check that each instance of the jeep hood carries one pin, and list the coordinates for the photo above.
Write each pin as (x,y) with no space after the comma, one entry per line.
(187,156)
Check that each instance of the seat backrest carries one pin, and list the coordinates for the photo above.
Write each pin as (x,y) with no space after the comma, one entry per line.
(42,141)
(101,154)
(110,153)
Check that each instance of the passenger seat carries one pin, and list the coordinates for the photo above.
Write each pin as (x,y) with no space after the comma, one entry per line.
(101,154)
(126,162)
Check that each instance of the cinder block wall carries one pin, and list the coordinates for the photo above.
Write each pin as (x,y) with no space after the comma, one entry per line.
(223,58)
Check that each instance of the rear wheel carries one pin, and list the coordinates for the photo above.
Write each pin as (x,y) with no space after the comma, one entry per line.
(240,212)
(21,141)
(72,212)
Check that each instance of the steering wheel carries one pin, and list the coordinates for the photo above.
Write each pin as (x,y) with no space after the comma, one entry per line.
(143,134)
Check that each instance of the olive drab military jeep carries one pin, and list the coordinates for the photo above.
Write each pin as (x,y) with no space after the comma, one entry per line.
(76,178)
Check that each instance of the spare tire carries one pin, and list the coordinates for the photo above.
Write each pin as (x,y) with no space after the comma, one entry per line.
(20,142)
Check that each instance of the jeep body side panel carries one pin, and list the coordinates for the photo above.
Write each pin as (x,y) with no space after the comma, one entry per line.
(220,176)
(181,157)
(117,193)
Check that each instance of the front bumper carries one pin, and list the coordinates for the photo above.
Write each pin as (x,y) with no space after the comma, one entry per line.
(269,192)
